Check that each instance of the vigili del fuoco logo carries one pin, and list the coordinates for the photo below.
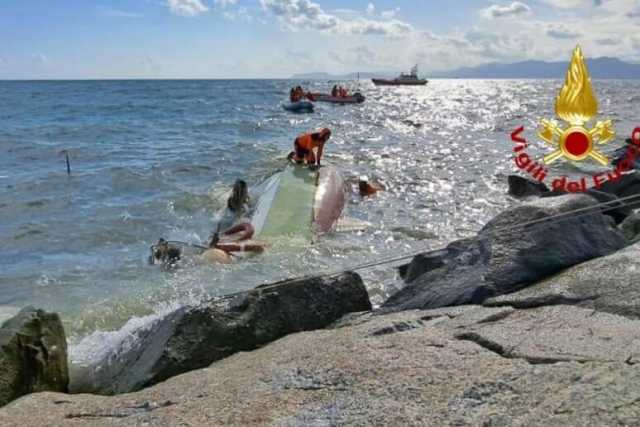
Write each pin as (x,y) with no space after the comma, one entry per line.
(573,139)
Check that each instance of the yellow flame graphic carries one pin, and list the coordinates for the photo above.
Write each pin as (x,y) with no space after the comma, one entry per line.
(576,103)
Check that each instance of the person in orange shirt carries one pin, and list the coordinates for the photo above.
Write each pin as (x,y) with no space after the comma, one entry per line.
(305,144)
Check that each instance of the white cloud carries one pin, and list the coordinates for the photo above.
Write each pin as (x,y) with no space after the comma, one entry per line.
(390,14)
(393,27)
(240,14)
(551,37)
(371,9)
(297,14)
(514,9)
(187,7)
(570,4)
(608,41)
(561,31)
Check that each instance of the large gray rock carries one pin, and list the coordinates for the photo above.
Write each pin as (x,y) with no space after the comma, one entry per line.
(608,284)
(524,187)
(33,354)
(630,227)
(559,333)
(194,337)
(611,205)
(626,187)
(405,368)
(507,256)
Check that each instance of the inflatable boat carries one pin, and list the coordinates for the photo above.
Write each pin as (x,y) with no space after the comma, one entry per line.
(356,98)
(299,107)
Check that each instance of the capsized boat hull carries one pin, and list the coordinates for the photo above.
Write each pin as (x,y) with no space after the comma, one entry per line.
(299,202)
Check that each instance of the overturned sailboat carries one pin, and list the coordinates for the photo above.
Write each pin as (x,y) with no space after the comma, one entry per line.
(299,202)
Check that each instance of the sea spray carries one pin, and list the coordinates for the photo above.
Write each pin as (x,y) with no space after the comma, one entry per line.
(99,356)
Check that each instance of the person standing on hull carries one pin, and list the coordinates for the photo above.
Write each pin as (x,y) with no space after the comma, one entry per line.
(305,144)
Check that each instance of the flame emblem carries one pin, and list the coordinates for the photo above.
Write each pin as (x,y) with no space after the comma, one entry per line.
(576,105)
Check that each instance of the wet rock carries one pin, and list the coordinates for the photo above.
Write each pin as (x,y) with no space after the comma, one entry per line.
(626,187)
(416,376)
(423,263)
(612,206)
(506,256)
(630,227)
(523,187)
(33,354)
(195,337)
(607,284)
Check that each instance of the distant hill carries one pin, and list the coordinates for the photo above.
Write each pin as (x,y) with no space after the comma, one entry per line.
(350,76)
(600,68)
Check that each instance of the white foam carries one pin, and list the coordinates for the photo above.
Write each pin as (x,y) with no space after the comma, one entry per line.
(97,352)
(7,312)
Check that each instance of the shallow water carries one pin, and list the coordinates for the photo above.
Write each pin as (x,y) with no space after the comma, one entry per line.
(152,158)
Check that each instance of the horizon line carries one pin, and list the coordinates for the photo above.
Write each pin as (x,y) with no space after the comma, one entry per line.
(91,79)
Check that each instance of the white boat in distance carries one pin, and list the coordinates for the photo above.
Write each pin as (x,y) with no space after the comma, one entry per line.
(410,79)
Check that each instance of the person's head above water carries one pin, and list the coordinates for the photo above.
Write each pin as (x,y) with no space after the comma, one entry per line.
(239,196)
(166,253)
(322,135)
(366,188)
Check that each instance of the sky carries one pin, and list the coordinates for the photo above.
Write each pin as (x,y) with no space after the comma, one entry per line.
(99,39)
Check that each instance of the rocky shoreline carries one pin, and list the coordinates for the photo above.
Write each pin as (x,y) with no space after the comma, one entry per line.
(534,321)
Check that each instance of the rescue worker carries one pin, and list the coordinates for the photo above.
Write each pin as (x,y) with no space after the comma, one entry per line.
(296,94)
(305,144)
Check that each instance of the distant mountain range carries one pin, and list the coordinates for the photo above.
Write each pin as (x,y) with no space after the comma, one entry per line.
(350,76)
(600,68)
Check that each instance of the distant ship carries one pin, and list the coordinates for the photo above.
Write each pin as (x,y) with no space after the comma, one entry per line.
(410,79)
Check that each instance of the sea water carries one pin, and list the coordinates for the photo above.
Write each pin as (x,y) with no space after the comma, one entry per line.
(154,159)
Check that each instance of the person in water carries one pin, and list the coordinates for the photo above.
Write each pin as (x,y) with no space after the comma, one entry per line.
(219,251)
(305,144)
(236,239)
(237,206)
(239,200)
(165,253)
(365,188)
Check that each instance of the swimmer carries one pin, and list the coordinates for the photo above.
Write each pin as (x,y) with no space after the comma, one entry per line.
(237,206)
(368,189)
